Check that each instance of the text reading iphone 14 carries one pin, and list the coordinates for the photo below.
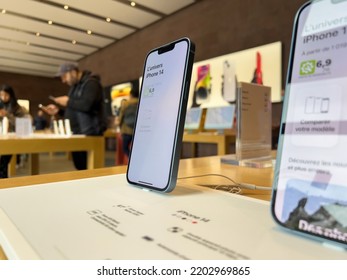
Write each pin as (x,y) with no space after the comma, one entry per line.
(310,185)
(160,117)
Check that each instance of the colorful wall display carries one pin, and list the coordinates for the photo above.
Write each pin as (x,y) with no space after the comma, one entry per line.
(214,81)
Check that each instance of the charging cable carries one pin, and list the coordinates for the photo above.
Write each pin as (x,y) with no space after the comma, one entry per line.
(234,188)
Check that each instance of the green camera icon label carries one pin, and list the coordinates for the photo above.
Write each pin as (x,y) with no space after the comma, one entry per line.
(307,67)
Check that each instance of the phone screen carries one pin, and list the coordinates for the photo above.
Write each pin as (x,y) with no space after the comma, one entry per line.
(310,185)
(161,114)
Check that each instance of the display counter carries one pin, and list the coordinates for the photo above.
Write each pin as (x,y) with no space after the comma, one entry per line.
(42,143)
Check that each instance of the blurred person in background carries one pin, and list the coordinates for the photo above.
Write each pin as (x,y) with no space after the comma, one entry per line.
(83,105)
(126,120)
(40,122)
(11,109)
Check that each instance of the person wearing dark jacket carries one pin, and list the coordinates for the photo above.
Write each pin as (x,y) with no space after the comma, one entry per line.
(82,106)
(10,109)
(126,120)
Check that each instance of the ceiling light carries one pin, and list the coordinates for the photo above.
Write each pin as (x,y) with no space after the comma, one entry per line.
(74,42)
(3,11)
(108,19)
(38,34)
(89,32)
(133,4)
(66,7)
(50,22)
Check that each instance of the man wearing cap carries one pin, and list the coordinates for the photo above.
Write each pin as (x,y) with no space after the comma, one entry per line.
(82,106)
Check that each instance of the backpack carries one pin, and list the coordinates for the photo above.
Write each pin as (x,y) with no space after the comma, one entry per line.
(130,115)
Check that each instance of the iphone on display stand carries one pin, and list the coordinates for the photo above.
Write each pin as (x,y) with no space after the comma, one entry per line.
(158,131)
(310,187)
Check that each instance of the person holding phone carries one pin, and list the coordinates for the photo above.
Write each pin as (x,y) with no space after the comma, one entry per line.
(10,109)
(83,105)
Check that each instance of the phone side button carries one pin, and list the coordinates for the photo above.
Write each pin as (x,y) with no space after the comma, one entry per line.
(186,91)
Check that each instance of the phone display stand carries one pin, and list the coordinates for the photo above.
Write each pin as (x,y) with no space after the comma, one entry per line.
(62,127)
(23,127)
(4,126)
(254,124)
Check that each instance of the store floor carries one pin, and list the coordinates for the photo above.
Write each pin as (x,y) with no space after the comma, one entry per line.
(57,162)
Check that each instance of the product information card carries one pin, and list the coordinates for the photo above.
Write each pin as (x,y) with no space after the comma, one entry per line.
(254,121)
(105,218)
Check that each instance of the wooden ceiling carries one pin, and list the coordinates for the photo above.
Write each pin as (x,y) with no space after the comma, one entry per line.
(36,36)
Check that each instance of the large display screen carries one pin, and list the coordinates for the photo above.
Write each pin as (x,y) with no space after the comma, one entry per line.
(220,117)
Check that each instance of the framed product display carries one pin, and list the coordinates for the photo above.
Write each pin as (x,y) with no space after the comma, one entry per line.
(214,81)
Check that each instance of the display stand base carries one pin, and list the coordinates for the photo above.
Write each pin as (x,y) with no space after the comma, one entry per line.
(261,162)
